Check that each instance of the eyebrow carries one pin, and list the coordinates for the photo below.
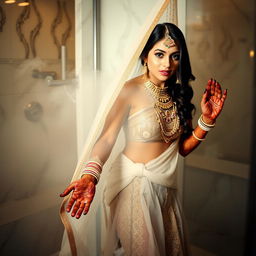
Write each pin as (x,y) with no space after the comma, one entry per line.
(160,50)
(165,51)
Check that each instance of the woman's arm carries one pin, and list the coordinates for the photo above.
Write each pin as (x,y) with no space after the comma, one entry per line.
(83,189)
(188,144)
(112,126)
(211,105)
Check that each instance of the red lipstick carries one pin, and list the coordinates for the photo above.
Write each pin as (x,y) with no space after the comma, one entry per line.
(165,72)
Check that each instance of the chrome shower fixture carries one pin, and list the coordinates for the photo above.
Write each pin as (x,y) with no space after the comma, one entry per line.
(33,111)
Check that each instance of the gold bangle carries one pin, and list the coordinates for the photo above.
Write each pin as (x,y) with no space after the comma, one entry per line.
(193,133)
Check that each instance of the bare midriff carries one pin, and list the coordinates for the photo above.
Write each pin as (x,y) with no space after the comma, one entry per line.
(140,152)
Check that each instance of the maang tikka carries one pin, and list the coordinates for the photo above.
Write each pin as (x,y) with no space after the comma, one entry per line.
(169,42)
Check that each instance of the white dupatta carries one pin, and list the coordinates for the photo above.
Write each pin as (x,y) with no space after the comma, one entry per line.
(85,236)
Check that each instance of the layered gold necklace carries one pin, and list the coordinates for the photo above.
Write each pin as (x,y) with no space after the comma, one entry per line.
(166,111)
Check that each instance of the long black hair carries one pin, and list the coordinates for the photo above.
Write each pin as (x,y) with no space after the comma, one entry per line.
(178,84)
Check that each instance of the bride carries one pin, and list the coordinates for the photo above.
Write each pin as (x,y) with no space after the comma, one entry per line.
(155,111)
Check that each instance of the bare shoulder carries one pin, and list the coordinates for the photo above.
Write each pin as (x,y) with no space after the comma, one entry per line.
(130,91)
(133,85)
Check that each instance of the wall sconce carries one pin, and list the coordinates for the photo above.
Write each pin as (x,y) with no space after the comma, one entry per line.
(23,3)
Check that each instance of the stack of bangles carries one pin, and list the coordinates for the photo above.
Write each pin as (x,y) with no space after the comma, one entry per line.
(204,126)
(93,168)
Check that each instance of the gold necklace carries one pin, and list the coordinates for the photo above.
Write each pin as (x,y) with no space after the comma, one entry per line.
(163,99)
(166,112)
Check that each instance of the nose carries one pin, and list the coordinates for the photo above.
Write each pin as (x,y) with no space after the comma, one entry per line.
(167,62)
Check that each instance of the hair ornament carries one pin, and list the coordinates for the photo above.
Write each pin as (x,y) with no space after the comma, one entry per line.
(169,41)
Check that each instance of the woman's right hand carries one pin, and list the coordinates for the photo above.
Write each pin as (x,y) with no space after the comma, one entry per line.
(82,195)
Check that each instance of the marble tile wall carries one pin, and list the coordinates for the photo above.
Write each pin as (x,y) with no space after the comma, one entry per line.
(130,15)
(220,38)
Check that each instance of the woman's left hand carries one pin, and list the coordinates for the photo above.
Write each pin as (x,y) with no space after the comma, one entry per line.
(212,101)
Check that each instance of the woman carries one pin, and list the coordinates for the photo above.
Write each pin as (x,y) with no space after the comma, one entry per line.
(155,111)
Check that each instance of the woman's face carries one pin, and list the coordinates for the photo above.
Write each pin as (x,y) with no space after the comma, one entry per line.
(162,62)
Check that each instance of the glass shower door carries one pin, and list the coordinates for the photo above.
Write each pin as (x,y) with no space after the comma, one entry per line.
(220,38)
(37,123)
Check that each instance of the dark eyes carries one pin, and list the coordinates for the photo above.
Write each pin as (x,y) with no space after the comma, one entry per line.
(159,54)
(175,56)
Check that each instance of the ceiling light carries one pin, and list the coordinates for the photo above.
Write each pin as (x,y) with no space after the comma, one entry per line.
(23,3)
(9,1)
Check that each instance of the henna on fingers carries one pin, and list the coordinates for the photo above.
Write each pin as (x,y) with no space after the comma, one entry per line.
(83,191)
(212,101)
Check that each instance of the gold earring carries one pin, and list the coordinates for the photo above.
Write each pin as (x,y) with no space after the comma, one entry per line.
(178,81)
(145,71)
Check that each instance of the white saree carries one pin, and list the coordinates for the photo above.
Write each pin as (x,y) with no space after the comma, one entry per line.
(145,216)
(138,213)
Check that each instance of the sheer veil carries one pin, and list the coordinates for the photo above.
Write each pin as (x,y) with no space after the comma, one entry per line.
(86,235)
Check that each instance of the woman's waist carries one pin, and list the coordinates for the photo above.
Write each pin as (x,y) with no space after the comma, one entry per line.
(148,155)
(140,152)
(159,170)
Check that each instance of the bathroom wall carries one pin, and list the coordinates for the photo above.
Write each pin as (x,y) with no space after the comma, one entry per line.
(220,41)
(37,131)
